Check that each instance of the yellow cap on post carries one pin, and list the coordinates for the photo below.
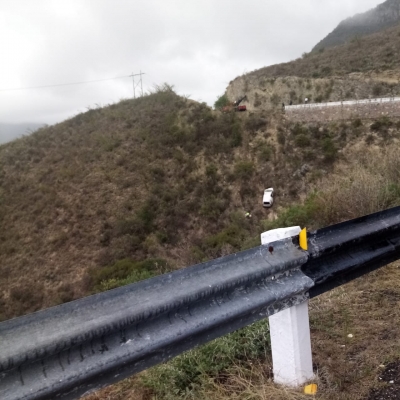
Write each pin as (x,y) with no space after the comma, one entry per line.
(303,239)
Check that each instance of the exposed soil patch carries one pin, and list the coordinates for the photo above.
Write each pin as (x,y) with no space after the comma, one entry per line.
(391,376)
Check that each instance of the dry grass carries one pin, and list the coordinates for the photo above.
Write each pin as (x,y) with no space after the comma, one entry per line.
(129,181)
(253,383)
(369,183)
(368,308)
(125,390)
(346,368)
(142,179)
(372,53)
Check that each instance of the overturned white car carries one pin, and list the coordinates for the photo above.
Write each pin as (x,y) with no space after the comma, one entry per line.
(268,198)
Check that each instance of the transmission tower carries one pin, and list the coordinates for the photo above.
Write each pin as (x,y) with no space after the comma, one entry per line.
(136,84)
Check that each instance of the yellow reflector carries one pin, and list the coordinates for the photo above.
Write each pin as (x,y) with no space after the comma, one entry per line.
(303,239)
(311,389)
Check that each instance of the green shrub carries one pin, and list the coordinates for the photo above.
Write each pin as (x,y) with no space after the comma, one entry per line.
(244,169)
(302,140)
(26,298)
(222,101)
(247,190)
(108,143)
(198,255)
(255,123)
(378,89)
(140,224)
(381,125)
(329,150)
(392,192)
(181,376)
(232,235)
(236,138)
(304,215)
(265,153)
(369,139)
(133,277)
(257,102)
(275,99)
(356,123)
(326,70)
(309,155)
(212,173)
(298,129)
(281,137)
(210,186)
(65,293)
(126,270)
(319,98)
(212,207)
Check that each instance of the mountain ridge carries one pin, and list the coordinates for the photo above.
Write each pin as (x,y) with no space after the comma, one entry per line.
(381,17)
(366,67)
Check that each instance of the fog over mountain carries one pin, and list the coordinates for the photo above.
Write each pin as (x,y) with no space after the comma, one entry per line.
(379,18)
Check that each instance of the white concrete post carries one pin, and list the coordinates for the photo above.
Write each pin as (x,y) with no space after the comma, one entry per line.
(290,332)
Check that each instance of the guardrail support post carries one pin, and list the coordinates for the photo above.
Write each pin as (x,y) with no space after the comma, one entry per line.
(290,332)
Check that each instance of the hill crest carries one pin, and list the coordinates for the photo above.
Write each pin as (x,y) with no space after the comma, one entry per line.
(383,16)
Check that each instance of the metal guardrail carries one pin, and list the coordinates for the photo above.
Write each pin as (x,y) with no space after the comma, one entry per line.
(69,350)
(343,103)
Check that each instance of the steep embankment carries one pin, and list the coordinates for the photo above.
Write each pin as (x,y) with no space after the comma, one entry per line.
(156,177)
(349,361)
(366,67)
(383,16)
(148,184)
(124,192)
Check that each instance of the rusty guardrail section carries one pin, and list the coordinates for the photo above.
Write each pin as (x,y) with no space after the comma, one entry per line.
(69,350)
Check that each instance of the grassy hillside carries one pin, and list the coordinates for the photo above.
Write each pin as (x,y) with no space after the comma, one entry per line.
(128,191)
(147,185)
(374,53)
(354,335)
(156,178)
(366,67)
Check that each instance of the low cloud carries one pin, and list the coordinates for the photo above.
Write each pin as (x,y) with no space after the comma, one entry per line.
(197,46)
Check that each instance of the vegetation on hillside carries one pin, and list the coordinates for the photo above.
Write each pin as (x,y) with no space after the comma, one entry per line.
(221,102)
(238,366)
(159,177)
(124,192)
(374,53)
(384,16)
(135,189)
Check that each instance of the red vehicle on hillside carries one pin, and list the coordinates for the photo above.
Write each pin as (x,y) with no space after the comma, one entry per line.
(235,106)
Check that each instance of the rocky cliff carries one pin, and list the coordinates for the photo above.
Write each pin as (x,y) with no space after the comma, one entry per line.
(265,93)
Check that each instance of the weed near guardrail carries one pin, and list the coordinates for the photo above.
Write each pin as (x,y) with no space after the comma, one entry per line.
(188,373)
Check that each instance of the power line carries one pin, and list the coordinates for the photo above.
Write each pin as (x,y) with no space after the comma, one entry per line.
(63,84)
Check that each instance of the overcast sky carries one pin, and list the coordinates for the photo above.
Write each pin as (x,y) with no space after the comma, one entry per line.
(196,45)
